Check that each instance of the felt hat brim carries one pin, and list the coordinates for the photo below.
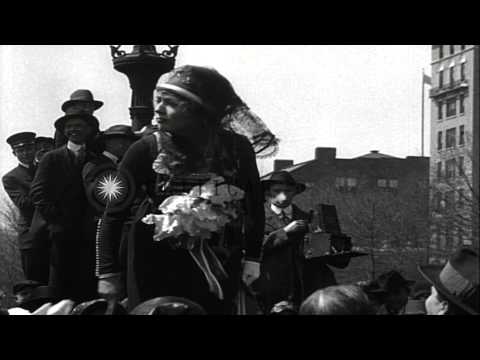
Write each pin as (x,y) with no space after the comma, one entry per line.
(299,186)
(90,119)
(431,275)
(97,104)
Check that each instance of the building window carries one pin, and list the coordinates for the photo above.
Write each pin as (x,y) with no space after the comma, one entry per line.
(462,71)
(452,49)
(450,166)
(440,79)
(440,51)
(450,140)
(461,135)
(462,47)
(393,183)
(382,183)
(462,103)
(439,170)
(452,74)
(452,107)
(345,184)
(461,170)
(439,140)
(440,110)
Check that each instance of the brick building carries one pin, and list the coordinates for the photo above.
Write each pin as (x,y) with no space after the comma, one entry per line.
(454,145)
(398,185)
(382,203)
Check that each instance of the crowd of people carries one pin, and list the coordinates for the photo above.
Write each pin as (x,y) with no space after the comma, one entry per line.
(88,248)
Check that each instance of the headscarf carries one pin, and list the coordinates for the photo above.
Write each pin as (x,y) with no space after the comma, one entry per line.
(212,91)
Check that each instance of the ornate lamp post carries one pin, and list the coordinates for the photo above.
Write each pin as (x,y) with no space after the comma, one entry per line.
(143,67)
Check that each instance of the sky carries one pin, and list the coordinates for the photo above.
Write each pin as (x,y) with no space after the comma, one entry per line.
(356,98)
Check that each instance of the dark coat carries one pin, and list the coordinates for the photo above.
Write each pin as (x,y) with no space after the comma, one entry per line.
(286,275)
(282,264)
(58,194)
(17,185)
(89,173)
(154,269)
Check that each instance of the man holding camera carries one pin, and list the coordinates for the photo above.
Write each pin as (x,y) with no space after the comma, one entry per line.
(286,225)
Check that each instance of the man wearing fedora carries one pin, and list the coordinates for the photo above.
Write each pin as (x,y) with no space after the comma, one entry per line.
(96,173)
(17,184)
(281,269)
(454,289)
(80,101)
(58,194)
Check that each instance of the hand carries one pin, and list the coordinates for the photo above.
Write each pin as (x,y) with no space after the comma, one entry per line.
(251,272)
(296,226)
(110,288)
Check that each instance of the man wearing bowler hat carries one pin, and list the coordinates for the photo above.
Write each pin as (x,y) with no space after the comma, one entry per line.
(58,194)
(17,184)
(455,289)
(100,172)
(80,101)
(286,225)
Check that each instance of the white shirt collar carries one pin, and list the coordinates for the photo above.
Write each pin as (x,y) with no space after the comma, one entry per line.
(278,211)
(74,147)
(24,165)
(110,156)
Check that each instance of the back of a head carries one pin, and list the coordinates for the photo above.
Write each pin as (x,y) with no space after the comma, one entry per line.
(338,300)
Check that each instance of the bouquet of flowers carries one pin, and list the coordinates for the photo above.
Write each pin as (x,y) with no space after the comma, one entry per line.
(206,209)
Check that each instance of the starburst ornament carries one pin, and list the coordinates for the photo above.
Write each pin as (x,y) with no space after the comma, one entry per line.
(110,187)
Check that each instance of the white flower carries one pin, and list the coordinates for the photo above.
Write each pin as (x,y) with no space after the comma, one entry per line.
(217,192)
(177,203)
(227,193)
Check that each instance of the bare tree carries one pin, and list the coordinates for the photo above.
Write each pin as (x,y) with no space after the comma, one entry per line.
(455,203)
(380,221)
(10,267)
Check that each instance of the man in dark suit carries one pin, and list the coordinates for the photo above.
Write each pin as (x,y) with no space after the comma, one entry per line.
(80,101)
(58,194)
(286,275)
(282,253)
(17,183)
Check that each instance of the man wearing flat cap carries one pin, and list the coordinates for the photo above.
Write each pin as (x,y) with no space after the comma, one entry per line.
(17,184)
(80,101)
(454,289)
(58,194)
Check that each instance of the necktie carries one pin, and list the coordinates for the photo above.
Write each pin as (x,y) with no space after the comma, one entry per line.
(284,217)
(80,157)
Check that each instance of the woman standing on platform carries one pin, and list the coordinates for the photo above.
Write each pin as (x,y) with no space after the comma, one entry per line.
(205,131)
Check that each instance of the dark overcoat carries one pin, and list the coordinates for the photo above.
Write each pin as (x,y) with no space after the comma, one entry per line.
(33,241)
(282,264)
(17,184)
(155,269)
(58,194)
